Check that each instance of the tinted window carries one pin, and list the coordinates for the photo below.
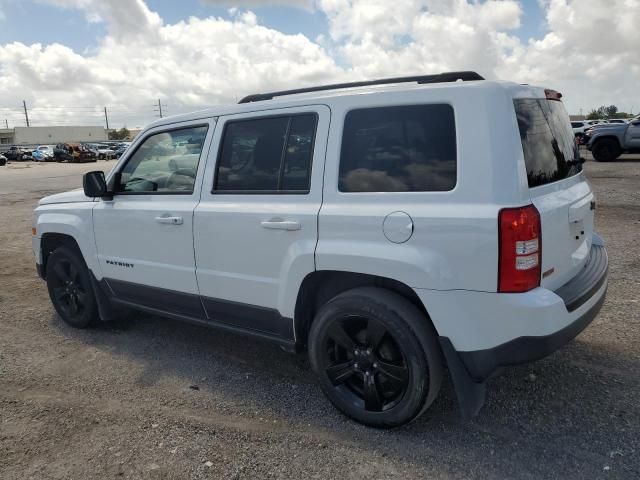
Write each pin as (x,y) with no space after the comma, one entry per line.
(398,149)
(548,143)
(165,162)
(266,155)
(576,124)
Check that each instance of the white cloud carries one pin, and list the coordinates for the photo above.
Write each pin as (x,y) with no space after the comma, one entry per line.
(123,17)
(306,4)
(590,52)
(190,64)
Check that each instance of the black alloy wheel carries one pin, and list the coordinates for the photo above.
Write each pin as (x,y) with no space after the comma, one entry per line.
(365,364)
(70,289)
(376,356)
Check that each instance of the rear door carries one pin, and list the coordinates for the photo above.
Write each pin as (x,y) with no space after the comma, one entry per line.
(558,187)
(255,228)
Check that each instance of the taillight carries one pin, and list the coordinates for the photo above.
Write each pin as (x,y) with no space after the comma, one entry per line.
(520,249)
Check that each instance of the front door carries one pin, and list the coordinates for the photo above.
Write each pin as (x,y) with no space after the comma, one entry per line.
(144,236)
(255,229)
(632,137)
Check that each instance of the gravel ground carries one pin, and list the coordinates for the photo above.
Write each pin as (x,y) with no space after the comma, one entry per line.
(152,398)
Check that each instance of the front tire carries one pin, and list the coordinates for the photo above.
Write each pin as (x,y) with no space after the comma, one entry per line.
(376,356)
(70,288)
(606,150)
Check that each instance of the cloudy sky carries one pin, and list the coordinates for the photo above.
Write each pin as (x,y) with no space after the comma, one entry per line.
(69,58)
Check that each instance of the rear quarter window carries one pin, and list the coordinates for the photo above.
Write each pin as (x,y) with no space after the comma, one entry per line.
(408,148)
(548,143)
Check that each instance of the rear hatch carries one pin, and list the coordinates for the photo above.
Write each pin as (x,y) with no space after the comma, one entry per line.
(557,186)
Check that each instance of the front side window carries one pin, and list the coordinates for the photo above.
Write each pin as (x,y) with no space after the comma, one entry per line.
(399,149)
(271,154)
(166,162)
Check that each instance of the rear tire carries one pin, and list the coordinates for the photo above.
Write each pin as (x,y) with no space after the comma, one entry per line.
(70,288)
(376,356)
(606,150)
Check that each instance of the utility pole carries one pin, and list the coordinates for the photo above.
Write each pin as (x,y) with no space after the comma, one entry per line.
(26,115)
(106,119)
(158,108)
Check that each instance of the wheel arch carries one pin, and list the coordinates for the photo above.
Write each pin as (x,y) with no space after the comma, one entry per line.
(52,240)
(320,286)
(66,223)
(606,137)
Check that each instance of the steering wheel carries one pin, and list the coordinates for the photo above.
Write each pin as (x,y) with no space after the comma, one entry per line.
(174,178)
(134,180)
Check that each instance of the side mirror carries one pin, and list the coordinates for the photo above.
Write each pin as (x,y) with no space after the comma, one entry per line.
(94,184)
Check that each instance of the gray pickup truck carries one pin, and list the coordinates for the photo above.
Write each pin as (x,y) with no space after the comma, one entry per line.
(609,141)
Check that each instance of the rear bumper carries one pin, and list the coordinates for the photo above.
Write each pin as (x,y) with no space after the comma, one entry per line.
(546,321)
(488,331)
(481,364)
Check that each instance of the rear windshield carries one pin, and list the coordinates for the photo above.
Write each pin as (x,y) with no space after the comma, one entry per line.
(548,142)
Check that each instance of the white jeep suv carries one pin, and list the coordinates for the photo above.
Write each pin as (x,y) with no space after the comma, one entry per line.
(377,225)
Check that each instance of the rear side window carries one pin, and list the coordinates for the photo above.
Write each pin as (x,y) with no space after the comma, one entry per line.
(399,149)
(266,155)
(548,143)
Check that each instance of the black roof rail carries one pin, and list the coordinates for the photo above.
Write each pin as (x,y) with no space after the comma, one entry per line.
(437,78)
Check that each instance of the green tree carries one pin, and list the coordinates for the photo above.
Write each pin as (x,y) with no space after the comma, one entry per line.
(605,112)
(595,114)
(122,134)
(611,111)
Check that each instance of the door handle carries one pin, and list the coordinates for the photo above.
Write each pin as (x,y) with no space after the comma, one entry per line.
(281,225)
(170,220)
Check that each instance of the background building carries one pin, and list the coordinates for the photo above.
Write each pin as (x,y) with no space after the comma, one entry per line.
(51,135)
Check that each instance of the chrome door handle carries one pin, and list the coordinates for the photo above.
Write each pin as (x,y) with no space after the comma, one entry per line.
(281,225)
(170,220)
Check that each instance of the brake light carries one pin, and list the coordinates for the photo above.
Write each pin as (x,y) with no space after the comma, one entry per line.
(552,94)
(520,249)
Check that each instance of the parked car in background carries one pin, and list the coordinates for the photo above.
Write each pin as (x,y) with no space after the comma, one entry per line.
(589,130)
(17,154)
(3,160)
(43,153)
(102,151)
(38,156)
(121,148)
(73,153)
(578,128)
(609,143)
